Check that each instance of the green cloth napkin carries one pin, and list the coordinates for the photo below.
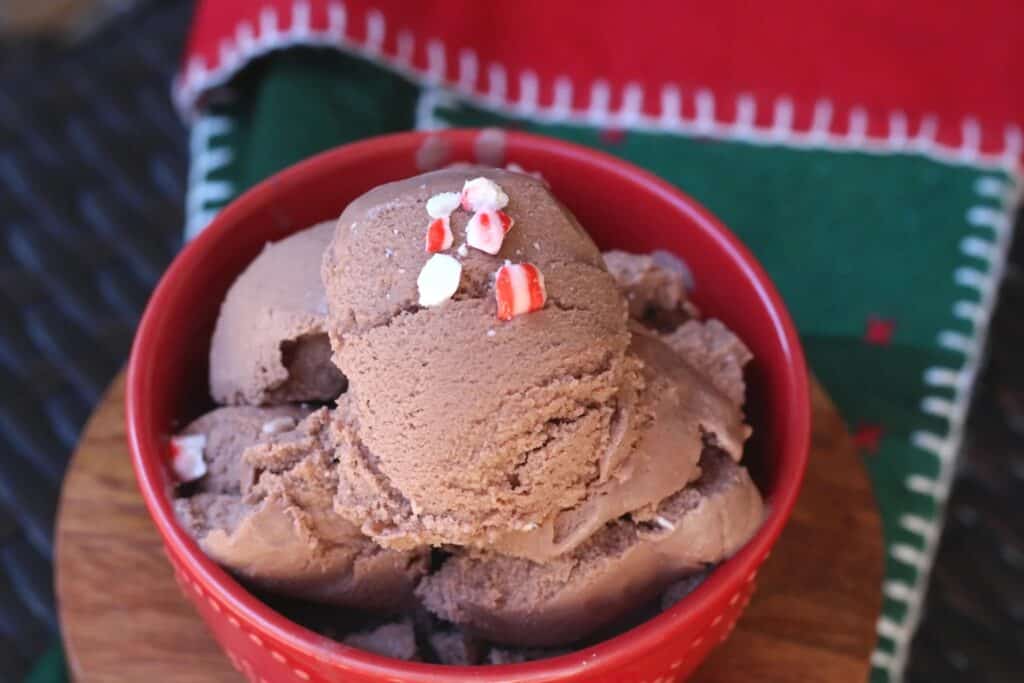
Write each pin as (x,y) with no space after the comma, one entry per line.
(888,262)
(50,668)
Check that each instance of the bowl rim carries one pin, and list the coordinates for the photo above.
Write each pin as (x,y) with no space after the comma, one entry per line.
(714,591)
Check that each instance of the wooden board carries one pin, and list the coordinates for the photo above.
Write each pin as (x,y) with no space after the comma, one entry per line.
(124,620)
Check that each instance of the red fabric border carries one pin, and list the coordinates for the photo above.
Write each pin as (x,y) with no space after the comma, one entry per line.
(880,69)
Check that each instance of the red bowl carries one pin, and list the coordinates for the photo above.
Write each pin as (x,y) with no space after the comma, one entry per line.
(622,206)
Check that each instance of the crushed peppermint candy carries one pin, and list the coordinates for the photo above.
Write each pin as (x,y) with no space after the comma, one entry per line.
(664,523)
(439,231)
(443,204)
(279,424)
(438,280)
(187,456)
(519,288)
(439,235)
(483,194)
(487,229)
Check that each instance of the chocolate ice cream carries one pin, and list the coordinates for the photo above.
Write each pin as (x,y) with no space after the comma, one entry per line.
(679,410)
(654,286)
(270,344)
(396,640)
(628,562)
(467,426)
(558,428)
(711,349)
(228,432)
(457,648)
(264,511)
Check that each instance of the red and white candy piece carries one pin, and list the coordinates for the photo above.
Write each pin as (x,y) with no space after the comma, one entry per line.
(439,235)
(439,279)
(187,456)
(519,288)
(439,232)
(487,229)
(483,194)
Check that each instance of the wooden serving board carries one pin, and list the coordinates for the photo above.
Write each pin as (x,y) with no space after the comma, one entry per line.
(124,620)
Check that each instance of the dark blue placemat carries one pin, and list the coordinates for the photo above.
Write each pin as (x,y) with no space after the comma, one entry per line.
(92,173)
(973,627)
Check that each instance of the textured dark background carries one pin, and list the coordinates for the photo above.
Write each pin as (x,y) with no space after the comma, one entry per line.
(973,628)
(92,177)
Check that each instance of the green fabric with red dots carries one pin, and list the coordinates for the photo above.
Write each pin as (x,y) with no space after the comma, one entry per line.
(873,253)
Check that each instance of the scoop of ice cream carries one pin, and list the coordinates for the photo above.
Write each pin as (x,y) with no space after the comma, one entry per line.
(713,350)
(679,409)
(278,529)
(457,648)
(630,561)
(463,426)
(396,640)
(270,343)
(229,431)
(654,286)
(371,266)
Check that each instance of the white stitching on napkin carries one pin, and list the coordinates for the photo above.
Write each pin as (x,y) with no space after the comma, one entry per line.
(205,196)
(988,239)
(636,112)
